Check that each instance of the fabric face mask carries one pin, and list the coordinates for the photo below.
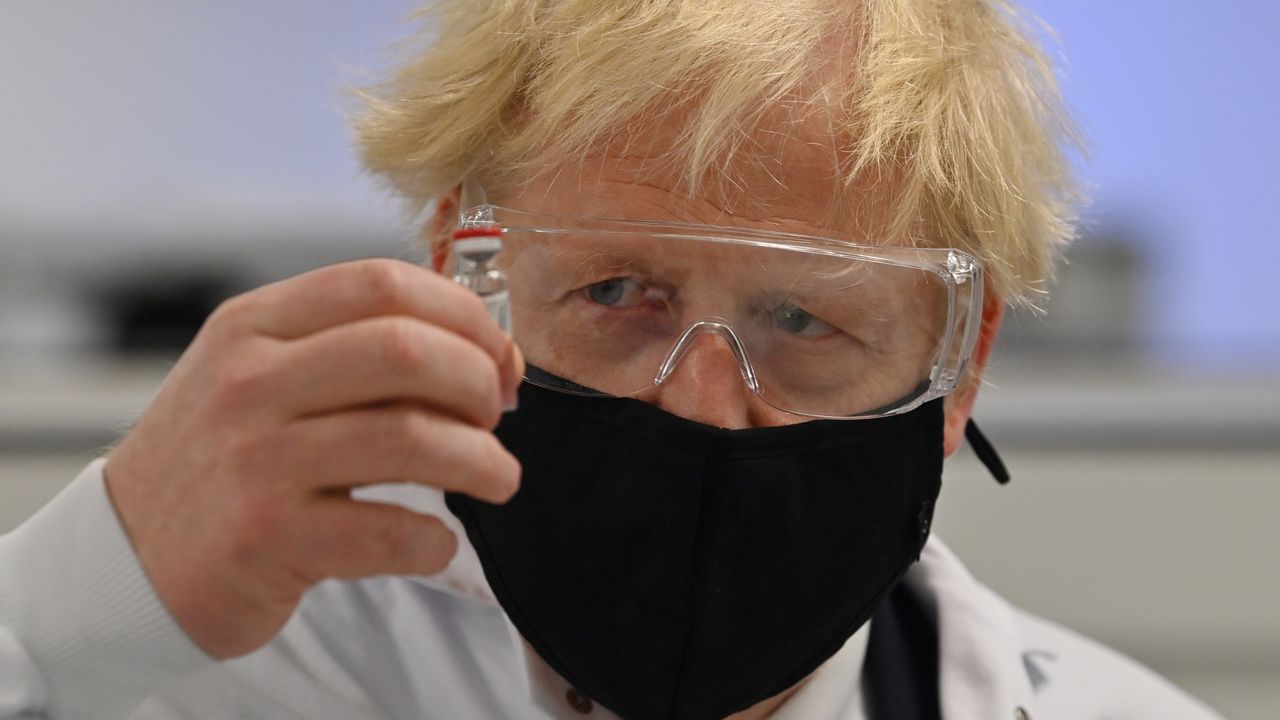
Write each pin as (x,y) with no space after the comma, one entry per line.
(673,570)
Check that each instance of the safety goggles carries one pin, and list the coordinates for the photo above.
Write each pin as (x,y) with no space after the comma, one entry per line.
(818,327)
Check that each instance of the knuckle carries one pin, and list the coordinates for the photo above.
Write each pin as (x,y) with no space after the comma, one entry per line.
(411,434)
(402,346)
(241,382)
(245,451)
(381,280)
(231,312)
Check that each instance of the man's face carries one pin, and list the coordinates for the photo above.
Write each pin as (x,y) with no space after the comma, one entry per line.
(787,183)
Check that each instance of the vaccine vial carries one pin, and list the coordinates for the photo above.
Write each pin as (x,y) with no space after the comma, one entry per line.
(476,250)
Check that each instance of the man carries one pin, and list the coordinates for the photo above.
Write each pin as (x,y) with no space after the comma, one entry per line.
(755,256)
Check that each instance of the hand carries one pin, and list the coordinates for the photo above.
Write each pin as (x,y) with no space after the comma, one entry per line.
(234,485)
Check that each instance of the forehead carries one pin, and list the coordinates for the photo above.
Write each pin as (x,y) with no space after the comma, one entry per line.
(785,174)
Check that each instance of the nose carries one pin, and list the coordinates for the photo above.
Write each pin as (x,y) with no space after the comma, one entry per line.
(704,381)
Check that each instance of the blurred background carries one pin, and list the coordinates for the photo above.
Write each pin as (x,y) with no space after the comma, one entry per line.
(156,157)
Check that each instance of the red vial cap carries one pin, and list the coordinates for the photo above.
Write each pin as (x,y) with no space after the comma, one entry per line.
(471,232)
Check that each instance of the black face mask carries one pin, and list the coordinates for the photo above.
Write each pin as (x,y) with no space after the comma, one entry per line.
(670,569)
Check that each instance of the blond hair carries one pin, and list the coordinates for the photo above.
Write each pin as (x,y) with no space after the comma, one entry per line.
(949,98)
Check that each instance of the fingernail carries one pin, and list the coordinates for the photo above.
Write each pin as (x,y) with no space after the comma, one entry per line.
(510,379)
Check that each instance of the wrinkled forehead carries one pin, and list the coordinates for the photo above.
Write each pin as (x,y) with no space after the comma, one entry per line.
(785,175)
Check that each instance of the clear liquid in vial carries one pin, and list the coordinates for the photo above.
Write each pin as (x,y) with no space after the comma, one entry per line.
(478,270)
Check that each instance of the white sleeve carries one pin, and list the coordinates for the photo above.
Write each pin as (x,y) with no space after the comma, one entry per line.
(82,632)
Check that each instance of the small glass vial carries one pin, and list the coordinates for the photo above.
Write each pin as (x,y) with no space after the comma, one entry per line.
(477,251)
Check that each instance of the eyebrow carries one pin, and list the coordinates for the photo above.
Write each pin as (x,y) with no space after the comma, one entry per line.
(585,251)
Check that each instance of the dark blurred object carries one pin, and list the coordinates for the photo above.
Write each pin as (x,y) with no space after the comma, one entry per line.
(1095,308)
(161,312)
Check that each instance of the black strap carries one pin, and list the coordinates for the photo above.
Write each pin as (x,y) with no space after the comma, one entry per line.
(901,670)
(986,452)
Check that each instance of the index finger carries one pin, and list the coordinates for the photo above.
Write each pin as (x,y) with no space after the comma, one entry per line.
(362,289)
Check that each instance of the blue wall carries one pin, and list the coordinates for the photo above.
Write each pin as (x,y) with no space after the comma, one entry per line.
(120,113)
(1181,103)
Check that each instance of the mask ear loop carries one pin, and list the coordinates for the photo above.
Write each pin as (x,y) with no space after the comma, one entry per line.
(986,452)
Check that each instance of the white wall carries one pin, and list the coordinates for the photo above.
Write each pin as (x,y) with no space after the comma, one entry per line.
(143,111)
(1179,101)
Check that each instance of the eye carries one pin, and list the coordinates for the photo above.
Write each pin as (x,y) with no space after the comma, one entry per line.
(616,292)
(797,321)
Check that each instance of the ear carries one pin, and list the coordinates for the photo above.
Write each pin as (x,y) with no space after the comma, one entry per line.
(437,232)
(960,405)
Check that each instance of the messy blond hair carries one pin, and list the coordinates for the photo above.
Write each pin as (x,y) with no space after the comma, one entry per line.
(949,98)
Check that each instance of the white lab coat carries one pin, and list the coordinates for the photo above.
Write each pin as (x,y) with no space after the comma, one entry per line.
(82,635)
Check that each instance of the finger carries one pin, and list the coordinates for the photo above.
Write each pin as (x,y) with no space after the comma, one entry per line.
(351,291)
(398,443)
(510,374)
(390,359)
(343,538)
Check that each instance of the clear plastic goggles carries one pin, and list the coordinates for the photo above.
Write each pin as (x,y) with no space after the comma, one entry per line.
(819,327)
